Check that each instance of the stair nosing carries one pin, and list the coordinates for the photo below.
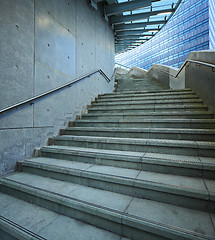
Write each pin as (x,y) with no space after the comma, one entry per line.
(151,185)
(98,210)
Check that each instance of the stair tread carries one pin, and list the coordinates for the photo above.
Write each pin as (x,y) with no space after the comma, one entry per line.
(183,184)
(123,94)
(148,102)
(153,106)
(149,120)
(155,91)
(140,98)
(191,161)
(49,224)
(147,130)
(154,113)
(194,221)
(160,142)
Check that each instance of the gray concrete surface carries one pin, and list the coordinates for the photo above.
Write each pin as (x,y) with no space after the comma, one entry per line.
(48,224)
(164,190)
(137,72)
(192,221)
(45,44)
(198,77)
(165,75)
(202,78)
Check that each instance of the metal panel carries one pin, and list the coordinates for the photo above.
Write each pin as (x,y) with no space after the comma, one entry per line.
(135,36)
(139,16)
(134,32)
(114,9)
(122,27)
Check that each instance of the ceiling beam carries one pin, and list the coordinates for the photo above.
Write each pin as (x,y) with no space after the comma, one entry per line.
(114,9)
(109,1)
(139,16)
(131,43)
(136,32)
(130,40)
(134,36)
(128,45)
(122,48)
(122,27)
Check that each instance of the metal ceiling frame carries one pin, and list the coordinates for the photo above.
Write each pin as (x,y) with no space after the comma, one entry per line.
(127,32)
(122,27)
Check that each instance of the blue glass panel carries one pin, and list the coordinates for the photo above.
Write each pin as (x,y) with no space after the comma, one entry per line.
(212,24)
(186,31)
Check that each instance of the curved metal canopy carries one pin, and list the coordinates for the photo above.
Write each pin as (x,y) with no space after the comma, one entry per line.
(136,21)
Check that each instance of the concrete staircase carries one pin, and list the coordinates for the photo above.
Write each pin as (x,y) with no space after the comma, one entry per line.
(139,165)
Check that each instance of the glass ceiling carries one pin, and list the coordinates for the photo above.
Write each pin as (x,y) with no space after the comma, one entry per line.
(143,20)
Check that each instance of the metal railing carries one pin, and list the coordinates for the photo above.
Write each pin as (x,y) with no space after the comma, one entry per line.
(193,61)
(183,65)
(30,100)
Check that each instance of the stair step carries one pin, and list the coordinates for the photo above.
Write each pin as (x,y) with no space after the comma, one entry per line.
(148,123)
(177,190)
(148,102)
(157,133)
(149,108)
(180,147)
(124,215)
(149,98)
(45,224)
(137,88)
(146,93)
(154,162)
(150,115)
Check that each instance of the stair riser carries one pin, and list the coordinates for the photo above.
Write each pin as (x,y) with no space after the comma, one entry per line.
(136,88)
(152,94)
(162,135)
(177,97)
(123,162)
(138,148)
(113,221)
(136,83)
(146,103)
(128,188)
(130,85)
(145,125)
(145,110)
(157,116)
(119,161)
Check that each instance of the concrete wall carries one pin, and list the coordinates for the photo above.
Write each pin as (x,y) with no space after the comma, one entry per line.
(44,44)
(166,76)
(137,72)
(200,78)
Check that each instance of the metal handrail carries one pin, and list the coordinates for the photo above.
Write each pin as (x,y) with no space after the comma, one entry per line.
(183,65)
(193,61)
(29,100)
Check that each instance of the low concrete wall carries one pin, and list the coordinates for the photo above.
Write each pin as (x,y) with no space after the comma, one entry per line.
(200,78)
(120,70)
(137,72)
(44,44)
(165,75)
